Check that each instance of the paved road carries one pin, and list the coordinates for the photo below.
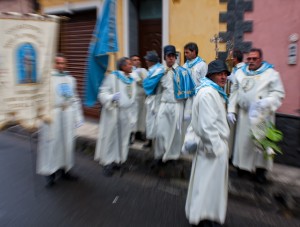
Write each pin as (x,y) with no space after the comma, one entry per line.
(137,199)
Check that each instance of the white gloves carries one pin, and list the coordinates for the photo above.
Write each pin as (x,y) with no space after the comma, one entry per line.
(187,117)
(116,96)
(190,147)
(231,118)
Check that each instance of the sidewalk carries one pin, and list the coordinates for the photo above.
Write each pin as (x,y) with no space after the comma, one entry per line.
(282,191)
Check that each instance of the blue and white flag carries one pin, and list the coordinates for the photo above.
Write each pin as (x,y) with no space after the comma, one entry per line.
(104,41)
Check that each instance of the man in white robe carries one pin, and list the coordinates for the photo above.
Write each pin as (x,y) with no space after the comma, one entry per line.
(194,63)
(208,187)
(117,97)
(257,82)
(152,89)
(170,116)
(237,61)
(139,74)
(56,138)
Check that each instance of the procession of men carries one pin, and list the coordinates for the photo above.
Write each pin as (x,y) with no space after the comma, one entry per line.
(174,110)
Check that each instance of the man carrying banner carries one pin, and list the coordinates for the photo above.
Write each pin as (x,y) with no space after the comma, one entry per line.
(139,74)
(56,138)
(194,62)
(117,96)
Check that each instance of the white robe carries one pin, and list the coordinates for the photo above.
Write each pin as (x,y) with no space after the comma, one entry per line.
(56,140)
(198,71)
(230,82)
(170,128)
(139,74)
(208,187)
(116,121)
(152,105)
(250,89)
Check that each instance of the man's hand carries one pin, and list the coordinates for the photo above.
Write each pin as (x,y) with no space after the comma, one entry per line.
(116,97)
(231,118)
(187,117)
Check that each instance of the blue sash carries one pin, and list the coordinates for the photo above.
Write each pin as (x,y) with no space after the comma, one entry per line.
(125,79)
(265,65)
(184,86)
(191,63)
(156,72)
(205,82)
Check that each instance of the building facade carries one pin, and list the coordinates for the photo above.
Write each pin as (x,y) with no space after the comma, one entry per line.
(151,24)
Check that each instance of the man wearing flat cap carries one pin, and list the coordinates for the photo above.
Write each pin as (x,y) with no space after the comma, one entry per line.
(152,89)
(207,194)
(177,87)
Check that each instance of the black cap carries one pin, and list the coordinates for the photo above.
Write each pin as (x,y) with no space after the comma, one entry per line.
(170,49)
(152,56)
(217,66)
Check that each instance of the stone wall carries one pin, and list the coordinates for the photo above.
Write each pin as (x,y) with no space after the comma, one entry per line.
(290,126)
(236,25)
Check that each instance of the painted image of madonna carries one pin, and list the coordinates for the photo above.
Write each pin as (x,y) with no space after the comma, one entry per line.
(26,64)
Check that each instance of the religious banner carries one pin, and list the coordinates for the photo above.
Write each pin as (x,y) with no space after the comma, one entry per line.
(105,41)
(27,49)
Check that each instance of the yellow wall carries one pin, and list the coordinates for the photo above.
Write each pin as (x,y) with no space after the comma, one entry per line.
(196,21)
(189,21)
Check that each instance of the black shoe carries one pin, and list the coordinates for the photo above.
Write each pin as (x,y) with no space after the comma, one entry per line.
(68,176)
(108,170)
(131,138)
(148,145)
(208,223)
(116,166)
(50,180)
(260,176)
(156,163)
(138,135)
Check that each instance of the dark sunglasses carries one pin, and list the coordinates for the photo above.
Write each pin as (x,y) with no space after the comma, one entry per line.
(254,59)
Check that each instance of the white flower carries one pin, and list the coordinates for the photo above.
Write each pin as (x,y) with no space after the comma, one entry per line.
(270,151)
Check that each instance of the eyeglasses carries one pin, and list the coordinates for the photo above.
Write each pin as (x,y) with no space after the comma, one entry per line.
(254,59)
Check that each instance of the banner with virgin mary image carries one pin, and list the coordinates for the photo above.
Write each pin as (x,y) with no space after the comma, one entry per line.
(27,49)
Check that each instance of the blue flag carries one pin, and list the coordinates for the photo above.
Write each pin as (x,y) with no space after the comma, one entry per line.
(104,42)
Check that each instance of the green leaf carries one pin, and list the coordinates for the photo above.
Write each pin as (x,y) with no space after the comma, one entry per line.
(267,143)
(273,134)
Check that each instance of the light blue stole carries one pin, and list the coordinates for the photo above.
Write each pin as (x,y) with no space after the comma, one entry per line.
(191,63)
(155,73)
(205,82)
(123,78)
(265,65)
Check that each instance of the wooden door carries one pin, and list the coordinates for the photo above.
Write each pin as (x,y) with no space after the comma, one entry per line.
(150,34)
